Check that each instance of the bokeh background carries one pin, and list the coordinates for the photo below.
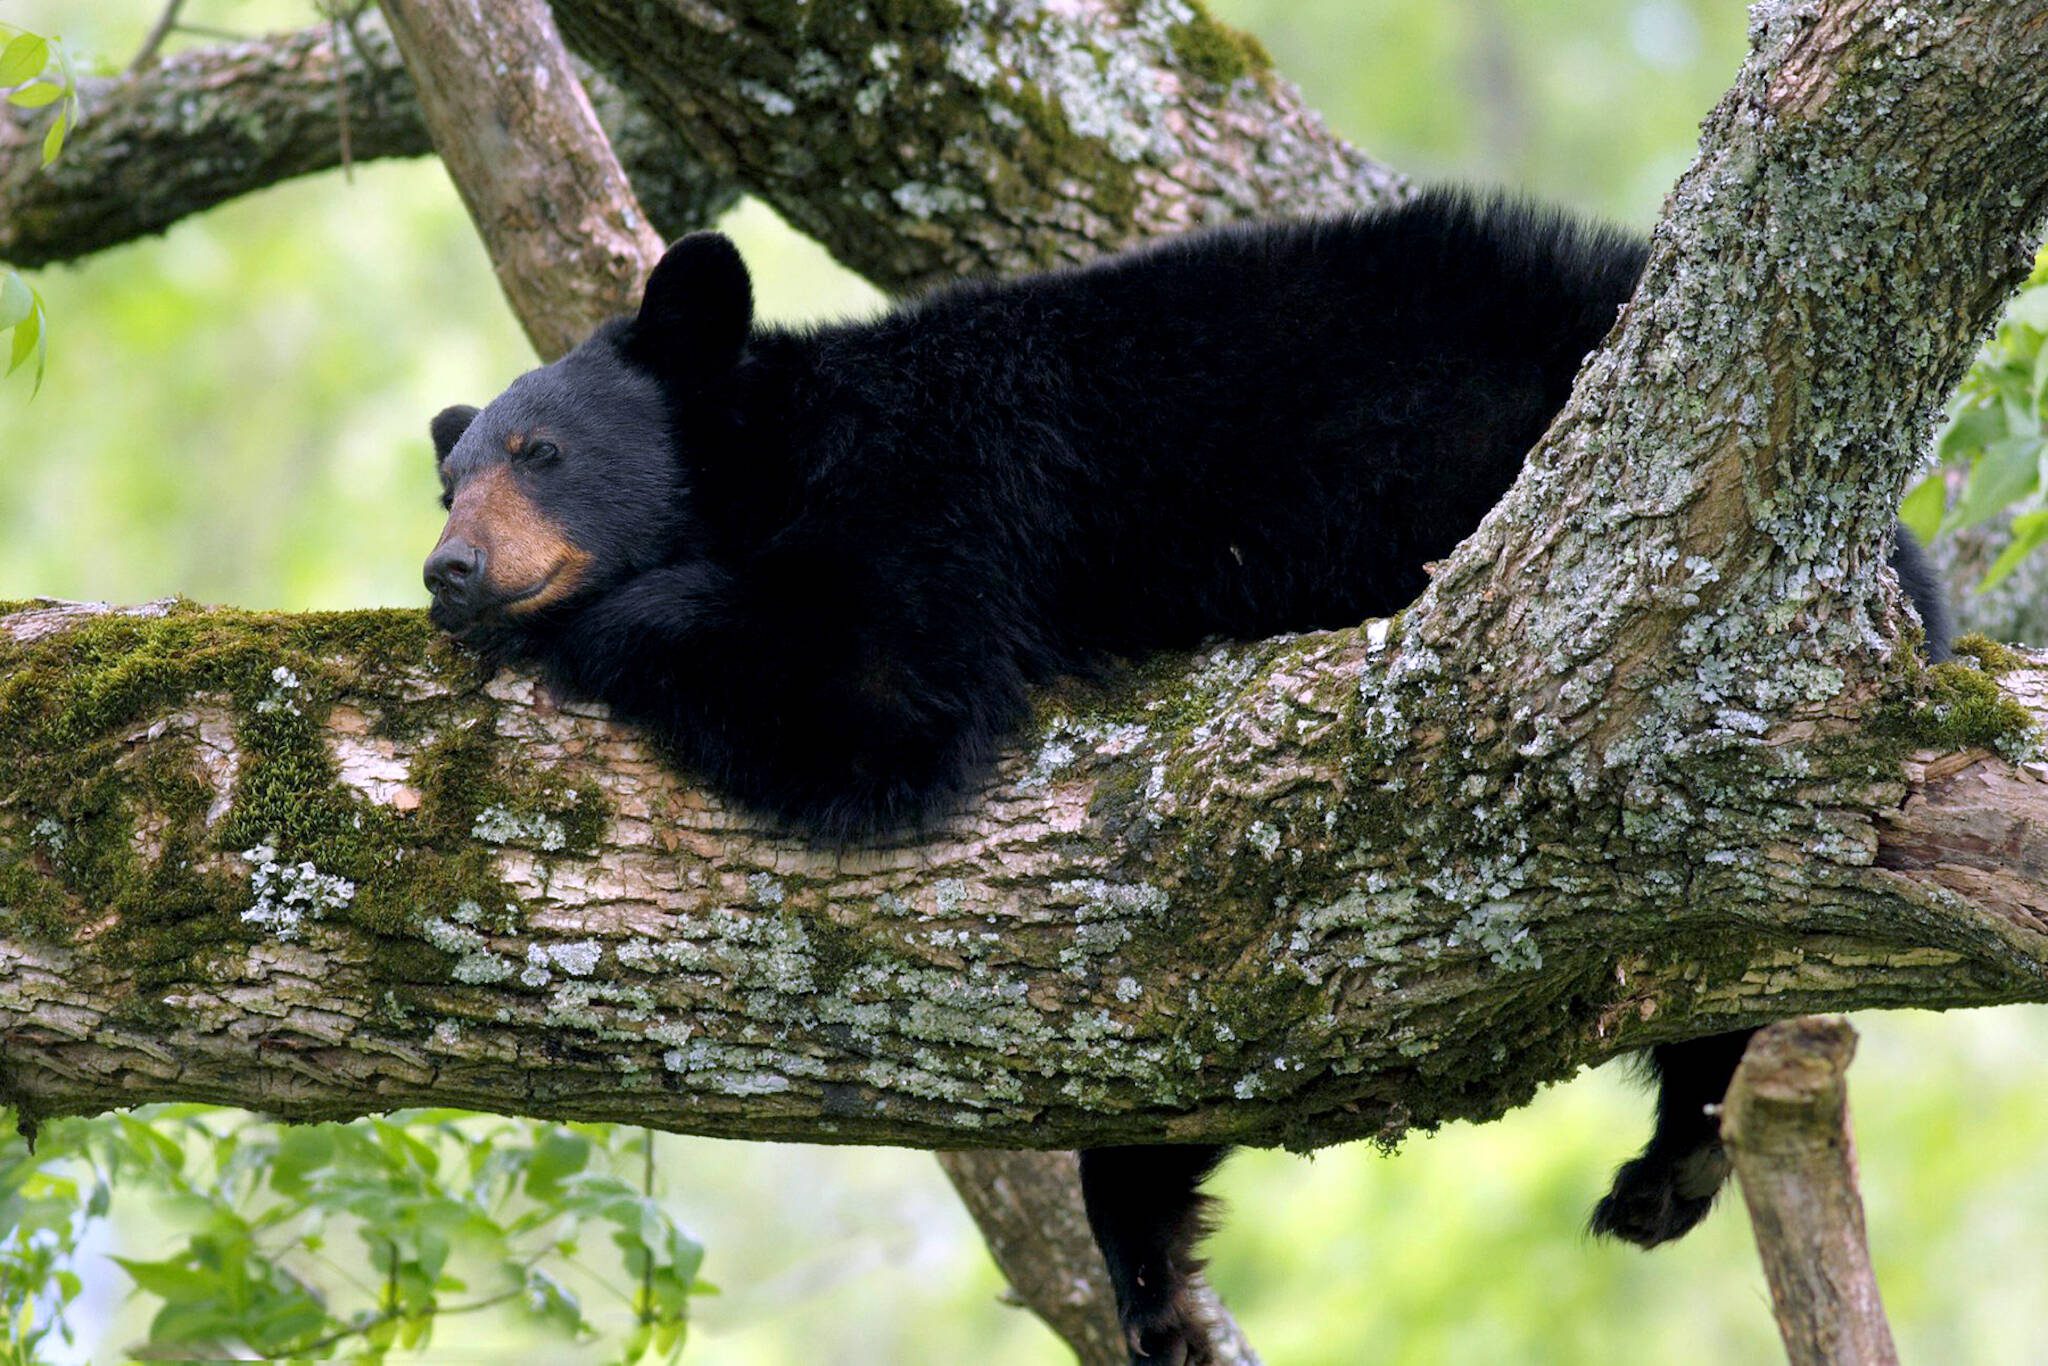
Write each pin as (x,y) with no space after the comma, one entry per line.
(237,412)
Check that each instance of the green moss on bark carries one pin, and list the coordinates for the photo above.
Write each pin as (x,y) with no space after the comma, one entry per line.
(1215,51)
(1961,707)
(104,823)
(1992,657)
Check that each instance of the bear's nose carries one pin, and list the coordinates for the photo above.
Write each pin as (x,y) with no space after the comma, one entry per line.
(454,569)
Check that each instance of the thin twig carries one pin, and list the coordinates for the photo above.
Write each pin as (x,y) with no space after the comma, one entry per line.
(159,31)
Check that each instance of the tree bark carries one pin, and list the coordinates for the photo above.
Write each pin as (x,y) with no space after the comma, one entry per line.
(1028,1206)
(473,896)
(918,143)
(1786,1125)
(192,131)
(925,139)
(1324,887)
(523,145)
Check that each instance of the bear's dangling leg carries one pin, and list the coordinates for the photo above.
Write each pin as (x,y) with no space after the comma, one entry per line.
(1146,1206)
(1662,1193)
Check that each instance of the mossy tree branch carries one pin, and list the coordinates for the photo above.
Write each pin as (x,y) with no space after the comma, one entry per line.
(917,141)
(313,864)
(182,134)
(1314,889)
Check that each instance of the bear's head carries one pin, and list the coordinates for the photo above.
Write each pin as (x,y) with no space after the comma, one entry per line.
(577,476)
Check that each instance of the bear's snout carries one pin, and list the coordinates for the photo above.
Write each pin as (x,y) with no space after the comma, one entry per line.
(453,573)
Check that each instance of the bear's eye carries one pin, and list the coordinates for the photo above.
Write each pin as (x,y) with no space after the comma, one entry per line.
(539,452)
(447,499)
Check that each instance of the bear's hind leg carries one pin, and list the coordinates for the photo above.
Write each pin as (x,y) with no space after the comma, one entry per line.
(1146,1208)
(1660,1194)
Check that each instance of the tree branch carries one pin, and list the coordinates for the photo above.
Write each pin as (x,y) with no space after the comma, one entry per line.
(1028,1207)
(925,141)
(1048,157)
(477,898)
(522,144)
(182,135)
(1786,1125)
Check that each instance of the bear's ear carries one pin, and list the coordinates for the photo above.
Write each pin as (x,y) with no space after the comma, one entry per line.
(448,426)
(696,312)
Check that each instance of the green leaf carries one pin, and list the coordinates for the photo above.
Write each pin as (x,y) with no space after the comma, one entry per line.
(27,333)
(559,1153)
(1969,431)
(53,141)
(170,1280)
(301,1151)
(17,300)
(2008,470)
(1921,508)
(23,58)
(2029,533)
(36,96)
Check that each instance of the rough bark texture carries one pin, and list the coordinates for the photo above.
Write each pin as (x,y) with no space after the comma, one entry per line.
(474,897)
(917,141)
(924,139)
(1318,888)
(1786,1124)
(523,145)
(184,134)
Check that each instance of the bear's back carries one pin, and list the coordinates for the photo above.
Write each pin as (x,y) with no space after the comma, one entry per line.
(1240,432)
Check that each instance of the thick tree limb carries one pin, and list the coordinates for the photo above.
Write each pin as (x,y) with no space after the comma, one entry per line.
(1111,946)
(921,141)
(1786,1124)
(192,131)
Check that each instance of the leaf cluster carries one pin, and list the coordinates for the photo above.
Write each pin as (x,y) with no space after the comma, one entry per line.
(344,1240)
(1995,432)
(35,73)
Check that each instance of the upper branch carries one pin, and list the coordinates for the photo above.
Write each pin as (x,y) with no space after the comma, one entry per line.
(925,140)
(181,135)
(916,143)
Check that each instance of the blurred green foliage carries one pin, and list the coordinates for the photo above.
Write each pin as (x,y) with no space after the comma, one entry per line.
(1994,432)
(238,412)
(325,1240)
(35,74)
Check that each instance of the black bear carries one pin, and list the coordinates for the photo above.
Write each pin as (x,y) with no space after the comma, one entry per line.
(822,566)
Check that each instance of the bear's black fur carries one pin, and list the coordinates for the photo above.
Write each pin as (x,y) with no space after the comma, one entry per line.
(822,566)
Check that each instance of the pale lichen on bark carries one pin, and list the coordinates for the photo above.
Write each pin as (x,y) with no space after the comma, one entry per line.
(1166,918)
(1316,888)
(924,139)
